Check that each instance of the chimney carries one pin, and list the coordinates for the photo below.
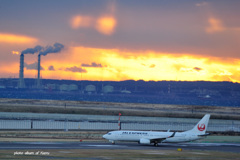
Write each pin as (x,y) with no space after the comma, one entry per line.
(39,68)
(21,83)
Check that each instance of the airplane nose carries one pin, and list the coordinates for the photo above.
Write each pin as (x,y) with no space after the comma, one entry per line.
(104,136)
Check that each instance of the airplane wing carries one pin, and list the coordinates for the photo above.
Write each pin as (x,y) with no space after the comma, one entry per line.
(158,140)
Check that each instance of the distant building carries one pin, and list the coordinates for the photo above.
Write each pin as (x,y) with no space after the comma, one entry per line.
(90,89)
(71,87)
(126,91)
(2,87)
(108,89)
(63,87)
(51,86)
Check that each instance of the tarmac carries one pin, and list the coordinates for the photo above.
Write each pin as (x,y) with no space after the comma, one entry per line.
(221,147)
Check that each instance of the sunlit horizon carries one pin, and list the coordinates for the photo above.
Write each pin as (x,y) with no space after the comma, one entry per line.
(116,65)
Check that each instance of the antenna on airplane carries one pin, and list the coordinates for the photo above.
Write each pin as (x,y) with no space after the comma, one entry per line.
(119,122)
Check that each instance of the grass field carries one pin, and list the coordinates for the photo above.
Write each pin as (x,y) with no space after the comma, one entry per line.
(108,108)
(93,154)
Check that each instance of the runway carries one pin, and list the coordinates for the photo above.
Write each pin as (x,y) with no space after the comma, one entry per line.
(222,147)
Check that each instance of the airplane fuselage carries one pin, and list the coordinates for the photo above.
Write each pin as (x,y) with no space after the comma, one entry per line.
(138,136)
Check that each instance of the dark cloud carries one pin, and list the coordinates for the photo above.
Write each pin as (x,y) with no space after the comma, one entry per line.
(32,66)
(76,69)
(51,68)
(92,65)
(197,68)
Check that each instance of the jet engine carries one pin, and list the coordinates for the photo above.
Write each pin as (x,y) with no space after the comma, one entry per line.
(144,141)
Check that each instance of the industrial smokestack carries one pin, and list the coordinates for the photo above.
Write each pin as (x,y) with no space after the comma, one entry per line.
(36,49)
(56,48)
(39,68)
(21,83)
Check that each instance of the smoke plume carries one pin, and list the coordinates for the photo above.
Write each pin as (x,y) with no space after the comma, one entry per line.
(57,47)
(36,49)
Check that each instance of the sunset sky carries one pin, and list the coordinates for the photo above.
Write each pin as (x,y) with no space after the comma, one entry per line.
(182,40)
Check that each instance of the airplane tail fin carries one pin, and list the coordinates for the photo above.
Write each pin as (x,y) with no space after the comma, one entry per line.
(201,127)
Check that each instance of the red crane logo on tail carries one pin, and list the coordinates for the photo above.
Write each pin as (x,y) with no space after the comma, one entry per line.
(201,127)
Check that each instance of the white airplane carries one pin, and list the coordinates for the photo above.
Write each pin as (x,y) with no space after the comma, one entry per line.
(148,137)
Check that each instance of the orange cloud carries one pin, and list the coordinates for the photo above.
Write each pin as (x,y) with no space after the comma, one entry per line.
(12,38)
(81,21)
(15,52)
(106,25)
(215,25)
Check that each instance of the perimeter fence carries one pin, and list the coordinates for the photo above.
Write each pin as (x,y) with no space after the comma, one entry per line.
(85,125)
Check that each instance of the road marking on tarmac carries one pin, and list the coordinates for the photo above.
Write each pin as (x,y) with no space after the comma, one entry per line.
(106,146)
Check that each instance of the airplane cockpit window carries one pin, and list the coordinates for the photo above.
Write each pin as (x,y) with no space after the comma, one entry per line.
(109,133)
